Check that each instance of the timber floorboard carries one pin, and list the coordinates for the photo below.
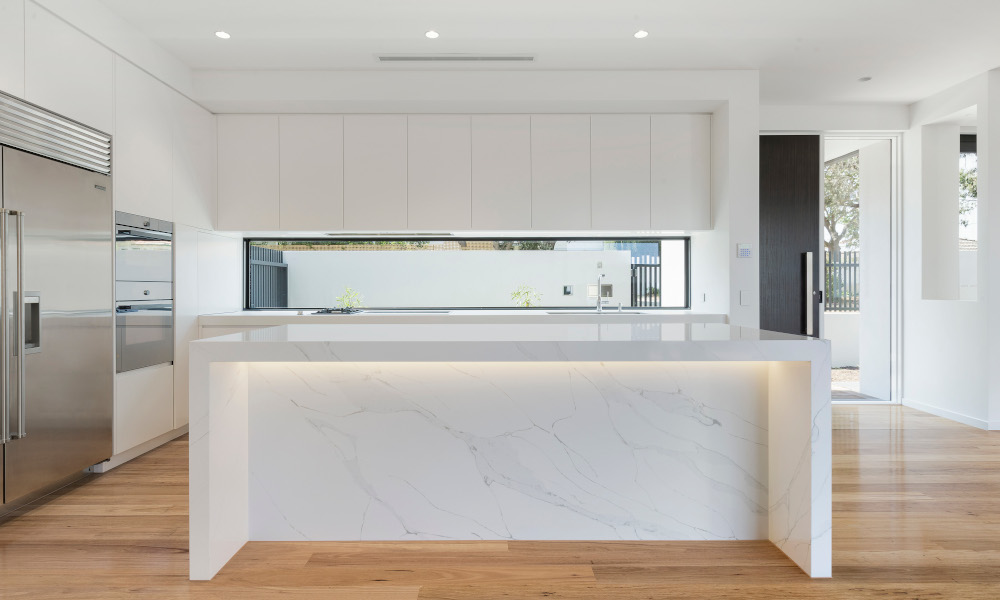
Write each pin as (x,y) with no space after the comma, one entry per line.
(916,503)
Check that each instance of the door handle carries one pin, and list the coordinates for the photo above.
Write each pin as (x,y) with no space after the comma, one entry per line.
(807,293)
(20,307)
(4,334)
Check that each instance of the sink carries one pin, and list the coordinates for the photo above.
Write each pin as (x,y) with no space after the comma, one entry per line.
(417,311)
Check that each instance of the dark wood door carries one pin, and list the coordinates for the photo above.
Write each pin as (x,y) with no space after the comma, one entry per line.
(789,227)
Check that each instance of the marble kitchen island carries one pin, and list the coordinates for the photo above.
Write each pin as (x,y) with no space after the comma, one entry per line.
(641,431)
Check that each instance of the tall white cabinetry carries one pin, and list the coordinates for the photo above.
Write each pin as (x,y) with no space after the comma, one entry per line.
(194,165)
(375,172)
(12,47)
(66,71)
(560,172)
(143,153)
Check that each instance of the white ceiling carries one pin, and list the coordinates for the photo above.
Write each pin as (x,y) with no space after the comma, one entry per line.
(808,51)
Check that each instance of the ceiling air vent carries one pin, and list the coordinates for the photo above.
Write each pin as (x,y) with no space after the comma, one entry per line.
(409,58)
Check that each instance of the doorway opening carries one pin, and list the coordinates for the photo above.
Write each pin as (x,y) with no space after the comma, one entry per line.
(858,185)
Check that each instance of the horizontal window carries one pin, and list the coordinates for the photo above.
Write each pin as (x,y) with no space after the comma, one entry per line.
(467,273)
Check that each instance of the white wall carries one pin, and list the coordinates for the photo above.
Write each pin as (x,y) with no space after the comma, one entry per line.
(988,139)
(843,330)
(939,207)
(454,278)
(835,117)
(968,268)
(875,221)
(949,362)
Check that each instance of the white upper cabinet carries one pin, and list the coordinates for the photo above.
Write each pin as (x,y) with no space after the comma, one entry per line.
(142,152)
(12,47)
(375,172)
(66,71)
(312,172)
(385,173)
(681,163)
(560,172)
(248,172)
(619,171)
(501,172)
(194,169)
(439,167)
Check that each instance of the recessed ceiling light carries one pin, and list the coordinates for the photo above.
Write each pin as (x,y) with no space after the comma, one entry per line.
(865,79)
(432,34)
(222,35)
(641,34)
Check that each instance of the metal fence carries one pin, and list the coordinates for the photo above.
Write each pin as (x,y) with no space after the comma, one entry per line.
(268,278)
(646,285)
(843,272)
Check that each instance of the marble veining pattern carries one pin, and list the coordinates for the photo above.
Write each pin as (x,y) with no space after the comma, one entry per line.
(501,451)
(589,451)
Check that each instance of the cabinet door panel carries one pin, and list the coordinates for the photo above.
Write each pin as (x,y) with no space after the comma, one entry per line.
(12,47)
(248,172)
(620,171)
(375,172)
(312,172)
(143,150)
(144,405)
(681,172)
(195,172)
(439,167)
(66,71)
(501,172)
(560,172)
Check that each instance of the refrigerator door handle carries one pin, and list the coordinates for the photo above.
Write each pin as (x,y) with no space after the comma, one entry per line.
(4,334)
(19,323)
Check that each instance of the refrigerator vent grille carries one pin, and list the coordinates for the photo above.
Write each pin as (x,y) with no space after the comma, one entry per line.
(36,130)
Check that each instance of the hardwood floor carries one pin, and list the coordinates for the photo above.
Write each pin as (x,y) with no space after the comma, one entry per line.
(916,516)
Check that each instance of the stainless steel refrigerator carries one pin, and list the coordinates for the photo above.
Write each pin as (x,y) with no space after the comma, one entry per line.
(57,328)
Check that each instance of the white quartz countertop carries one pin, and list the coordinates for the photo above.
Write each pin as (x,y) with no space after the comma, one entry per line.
(457,342)
(270,318)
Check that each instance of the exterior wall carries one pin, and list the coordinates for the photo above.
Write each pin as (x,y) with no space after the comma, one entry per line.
(455,278)
(843,330)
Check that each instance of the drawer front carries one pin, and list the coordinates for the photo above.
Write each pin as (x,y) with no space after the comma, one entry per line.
(143,290)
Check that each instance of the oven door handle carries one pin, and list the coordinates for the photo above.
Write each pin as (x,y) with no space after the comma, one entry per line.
(143,234)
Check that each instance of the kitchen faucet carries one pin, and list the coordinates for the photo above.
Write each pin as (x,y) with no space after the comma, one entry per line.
(600,278)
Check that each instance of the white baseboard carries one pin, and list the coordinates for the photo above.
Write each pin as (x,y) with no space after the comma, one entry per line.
(134,452)
(948,414)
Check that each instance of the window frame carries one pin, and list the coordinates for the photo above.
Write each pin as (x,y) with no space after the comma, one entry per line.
(440,238)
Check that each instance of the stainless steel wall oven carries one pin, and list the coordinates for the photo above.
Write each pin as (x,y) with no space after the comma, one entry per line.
(144,306)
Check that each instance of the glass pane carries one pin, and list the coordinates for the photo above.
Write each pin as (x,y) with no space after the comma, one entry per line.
(471,273)
(968,225)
